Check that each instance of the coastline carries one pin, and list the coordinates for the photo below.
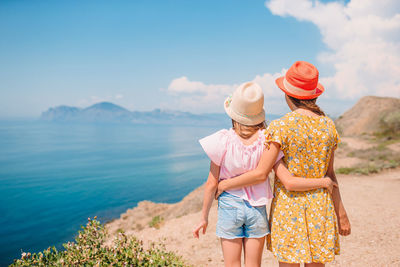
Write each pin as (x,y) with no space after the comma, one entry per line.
(140,216)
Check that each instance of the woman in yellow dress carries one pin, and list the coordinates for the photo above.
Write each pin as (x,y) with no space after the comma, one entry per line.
(304,225)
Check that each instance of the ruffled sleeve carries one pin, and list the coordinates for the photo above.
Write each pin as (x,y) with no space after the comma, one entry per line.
(274,134)
(215,146)
(268,139)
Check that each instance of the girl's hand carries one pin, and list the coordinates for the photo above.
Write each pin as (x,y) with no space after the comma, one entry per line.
(203,224)
(329,184)
(344,225)
(220,189)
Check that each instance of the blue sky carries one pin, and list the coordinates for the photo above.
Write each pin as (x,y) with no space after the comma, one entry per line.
(129,52)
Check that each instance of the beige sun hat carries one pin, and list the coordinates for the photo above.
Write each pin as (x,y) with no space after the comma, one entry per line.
(246,105)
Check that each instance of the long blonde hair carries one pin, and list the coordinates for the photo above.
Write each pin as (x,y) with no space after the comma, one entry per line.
(246,131)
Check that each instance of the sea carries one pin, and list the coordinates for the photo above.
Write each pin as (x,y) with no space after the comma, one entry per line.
(54,176)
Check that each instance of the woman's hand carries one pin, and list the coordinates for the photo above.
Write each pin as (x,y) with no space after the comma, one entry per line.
(344,225)
(220,189)
(329,184)
(202,225)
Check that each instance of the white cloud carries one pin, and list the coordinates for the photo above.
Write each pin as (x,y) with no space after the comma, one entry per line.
(364,41)
(267,83)
(198,96)
(184,85)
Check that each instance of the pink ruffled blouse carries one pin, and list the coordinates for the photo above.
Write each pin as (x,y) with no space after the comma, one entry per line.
(226,150)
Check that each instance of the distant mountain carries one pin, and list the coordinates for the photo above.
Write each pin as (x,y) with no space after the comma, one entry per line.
(106,112)
(61,113)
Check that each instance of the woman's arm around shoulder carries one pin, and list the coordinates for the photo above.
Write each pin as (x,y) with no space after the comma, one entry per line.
(256,176)
(294,183)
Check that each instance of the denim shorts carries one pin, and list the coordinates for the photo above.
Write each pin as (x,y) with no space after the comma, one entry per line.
(238,219)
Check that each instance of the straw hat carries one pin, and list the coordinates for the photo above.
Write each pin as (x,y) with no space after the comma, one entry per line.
(246,105)
(301,81)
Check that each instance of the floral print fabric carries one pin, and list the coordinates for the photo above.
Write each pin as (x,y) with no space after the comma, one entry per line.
(303,224)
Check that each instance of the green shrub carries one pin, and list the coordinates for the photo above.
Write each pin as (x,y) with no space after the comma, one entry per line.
(390,126)
(156,221)
(366,169)
(88,250)
(373,160)
(345,170)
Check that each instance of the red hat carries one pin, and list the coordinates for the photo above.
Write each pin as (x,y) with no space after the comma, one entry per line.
(301,81)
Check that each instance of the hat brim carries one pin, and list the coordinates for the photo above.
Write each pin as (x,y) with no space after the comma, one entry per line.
(319,90)
(242,119)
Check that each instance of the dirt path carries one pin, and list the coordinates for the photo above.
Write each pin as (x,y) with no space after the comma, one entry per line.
(395,147)
(356,143)
(372,203)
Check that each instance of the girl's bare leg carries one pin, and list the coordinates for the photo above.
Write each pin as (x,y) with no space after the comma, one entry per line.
(232,250)
(253,249)
(285,264)
(314,265)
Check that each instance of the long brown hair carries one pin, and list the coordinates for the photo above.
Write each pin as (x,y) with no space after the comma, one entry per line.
(309,104)
(246,131)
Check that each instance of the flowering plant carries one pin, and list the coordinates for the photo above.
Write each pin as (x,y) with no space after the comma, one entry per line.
(89,250)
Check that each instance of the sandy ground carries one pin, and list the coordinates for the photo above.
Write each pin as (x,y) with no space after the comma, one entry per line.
(349,144)
(372,203)
(395,147)
(356,143)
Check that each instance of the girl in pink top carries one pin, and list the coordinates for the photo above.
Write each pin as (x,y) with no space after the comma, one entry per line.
(242,218)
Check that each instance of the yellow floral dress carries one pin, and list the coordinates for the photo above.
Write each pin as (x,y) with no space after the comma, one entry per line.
(303,224)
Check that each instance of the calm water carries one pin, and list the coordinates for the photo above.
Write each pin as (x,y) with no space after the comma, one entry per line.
(54,176)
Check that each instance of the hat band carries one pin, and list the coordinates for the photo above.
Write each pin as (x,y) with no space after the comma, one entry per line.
(245,115)
(297,90)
